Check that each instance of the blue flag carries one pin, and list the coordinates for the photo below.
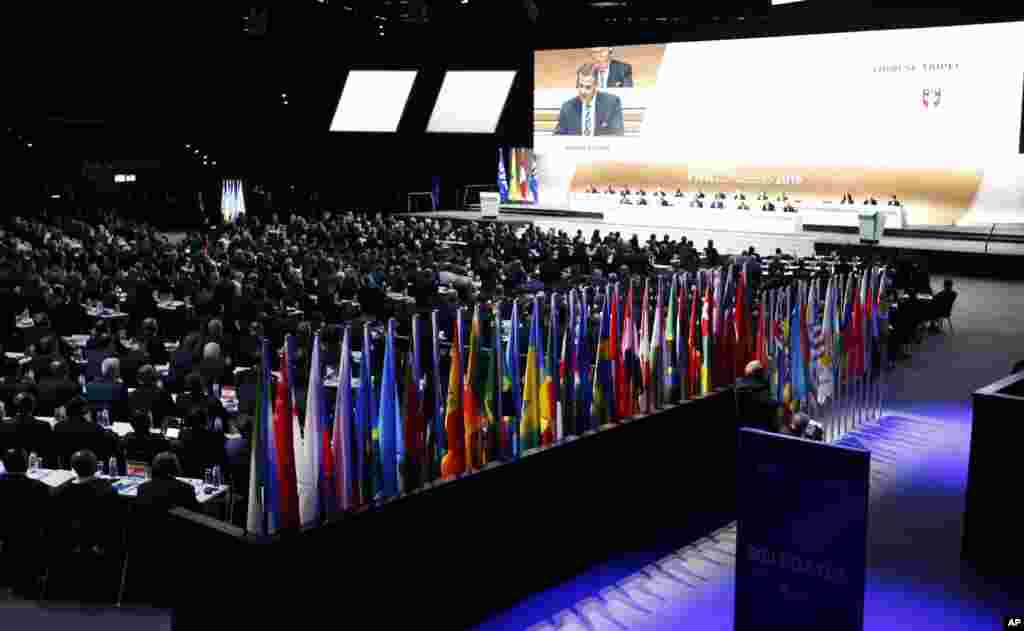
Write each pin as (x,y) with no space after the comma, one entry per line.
(435,191)
(502,176)
(392,430)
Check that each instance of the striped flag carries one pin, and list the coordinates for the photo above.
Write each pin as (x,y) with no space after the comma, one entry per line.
(454,461)
(600,407)
(583,366)
(392,427)
(492,393)
(549,432)
(671,374)
(705,333)
(567,373)
(626,396)
(529,425)
(362,432)
(645,352)
(534,182)
(341,440)
(512,397)
(825,344)
(310,443)
(502,176)
(437,438)
(413,414)
(618,376)
(524,170)
(263,515)
(287,487)
(513,178)
(472,398)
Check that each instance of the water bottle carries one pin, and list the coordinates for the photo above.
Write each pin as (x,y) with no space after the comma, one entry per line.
(217,480)
(81,382)
(112,468)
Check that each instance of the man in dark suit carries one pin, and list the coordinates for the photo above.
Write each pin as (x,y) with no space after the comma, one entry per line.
(76,433)
(611,73)
(163,491)
(894,201)
(25,431)
(27,511)
(754,403)
(109,392)
(55,390)
(150,396)
(679,192)
(591,112)
(87,527)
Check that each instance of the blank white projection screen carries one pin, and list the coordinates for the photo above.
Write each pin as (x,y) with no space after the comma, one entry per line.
(471,102)
(373,100)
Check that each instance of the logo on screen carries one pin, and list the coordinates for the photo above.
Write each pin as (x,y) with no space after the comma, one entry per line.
(931,97)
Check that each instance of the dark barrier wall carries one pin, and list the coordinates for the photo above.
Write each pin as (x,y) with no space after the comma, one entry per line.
(991,541)
(450,555)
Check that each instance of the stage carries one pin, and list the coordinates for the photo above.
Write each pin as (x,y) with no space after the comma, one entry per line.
(993,251)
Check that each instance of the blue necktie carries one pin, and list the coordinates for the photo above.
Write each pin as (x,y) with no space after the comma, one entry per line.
(586,122)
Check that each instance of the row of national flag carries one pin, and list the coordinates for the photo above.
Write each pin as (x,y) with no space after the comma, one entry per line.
(519,182)
(575,362)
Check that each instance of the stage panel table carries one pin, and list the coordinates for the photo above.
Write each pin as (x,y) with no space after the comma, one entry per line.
(705,218)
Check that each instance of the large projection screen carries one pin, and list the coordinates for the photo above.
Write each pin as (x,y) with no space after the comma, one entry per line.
(373,100)
(929,115)
(471,101)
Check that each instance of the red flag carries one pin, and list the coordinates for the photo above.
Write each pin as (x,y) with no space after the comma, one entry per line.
(618,375)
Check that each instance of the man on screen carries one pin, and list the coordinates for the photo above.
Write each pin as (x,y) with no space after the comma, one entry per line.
(611,73)
(591,112)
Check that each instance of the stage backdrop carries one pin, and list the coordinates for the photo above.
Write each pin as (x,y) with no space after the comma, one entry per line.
(932,116)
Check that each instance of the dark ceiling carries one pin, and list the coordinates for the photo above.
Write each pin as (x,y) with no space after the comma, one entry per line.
(113,80)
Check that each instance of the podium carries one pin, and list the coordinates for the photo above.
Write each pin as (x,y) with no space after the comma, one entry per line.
(871,226)
(489,203)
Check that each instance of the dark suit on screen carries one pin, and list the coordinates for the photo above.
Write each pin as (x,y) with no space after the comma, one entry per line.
(620,74)
(607,114)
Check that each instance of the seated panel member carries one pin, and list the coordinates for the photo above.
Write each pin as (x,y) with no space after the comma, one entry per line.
(768,206)
(591,112)
(679,192)
(611,73)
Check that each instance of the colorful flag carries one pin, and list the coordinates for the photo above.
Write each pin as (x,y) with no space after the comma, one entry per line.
(618,376)
(534,182)
(454,461)
(705,331)
(412,413)
(567,373)
(502,176)
(513,178)
(307,455)
(645,351)
(549,427)
(601,405)
(524,170)
(341,440)
(824,345)
(694,343)
(362,425)
(656,361)
(392,427)
(529,425)
(284,444)
(263,510)
(669,360)
(492,393)
(512,397)
(472,398)
(437,442)
(583,366)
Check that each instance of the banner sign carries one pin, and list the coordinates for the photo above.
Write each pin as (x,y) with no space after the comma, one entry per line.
(801,548)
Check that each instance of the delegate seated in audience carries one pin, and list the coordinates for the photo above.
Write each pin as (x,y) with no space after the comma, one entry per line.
(55,390)
(149,395)
(25,431)
(141,444)
(77,432)
(108,392)
(198,446)
(27,512)
(151,344)
(163,491)
(711,254)
(87,511)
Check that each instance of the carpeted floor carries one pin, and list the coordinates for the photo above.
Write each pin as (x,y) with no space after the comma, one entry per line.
(919,473)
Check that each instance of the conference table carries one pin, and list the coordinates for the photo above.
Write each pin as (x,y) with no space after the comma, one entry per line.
(126,486)
(808,212)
